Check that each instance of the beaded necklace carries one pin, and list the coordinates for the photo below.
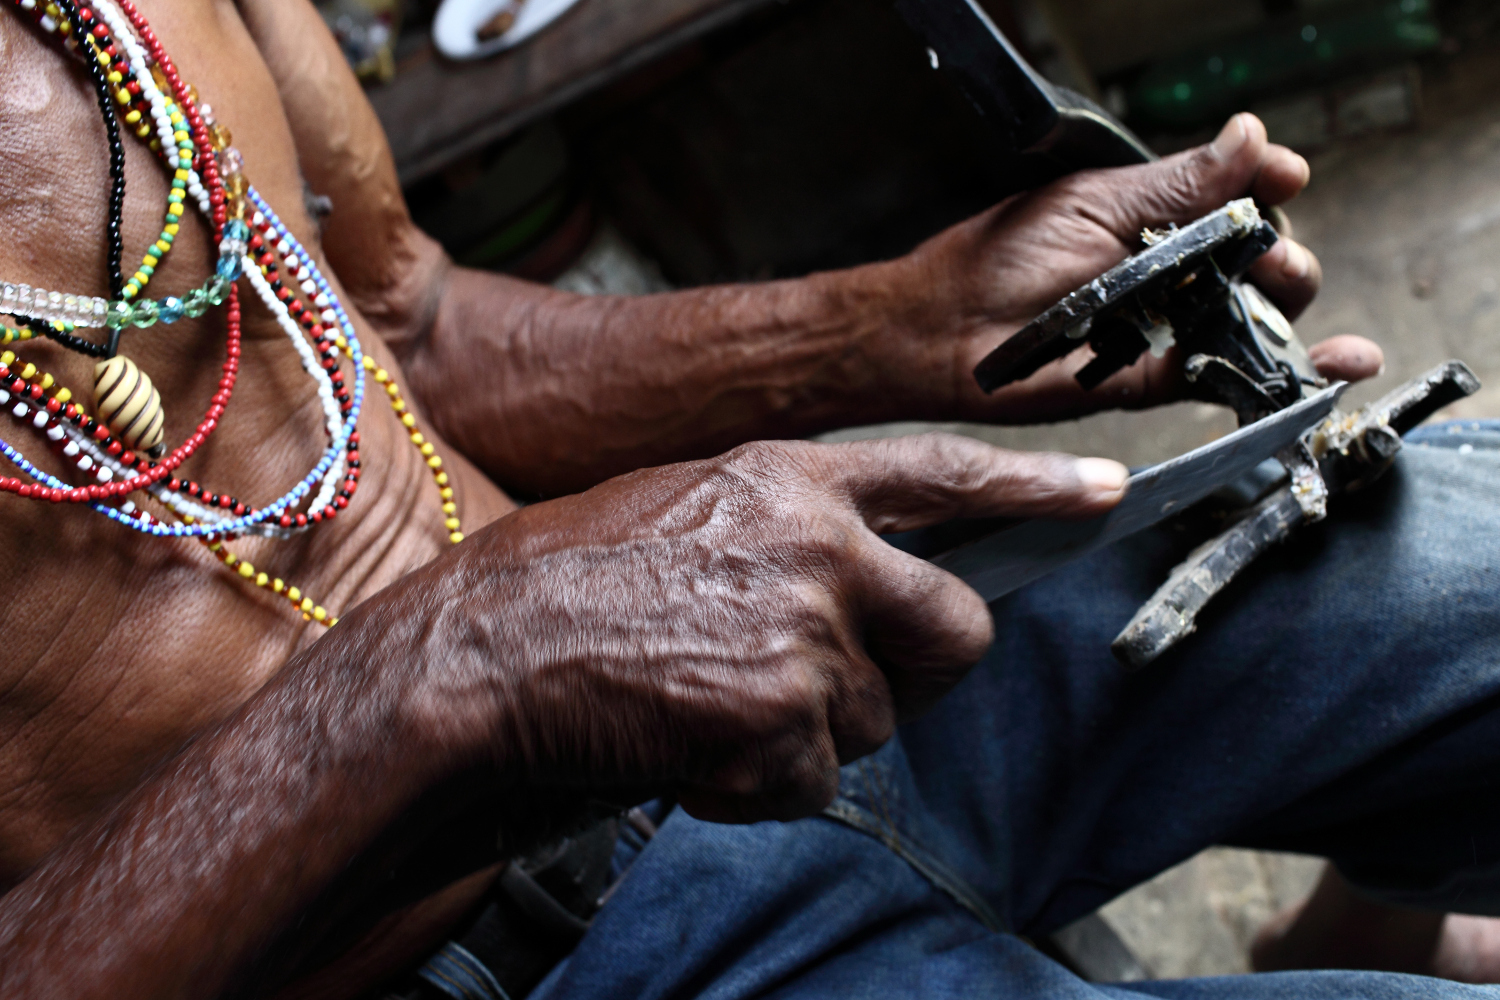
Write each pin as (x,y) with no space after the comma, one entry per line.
(188,137)
(116,174)
(310,610)
(137,398)
(108,68)
(230,261)
(313,283)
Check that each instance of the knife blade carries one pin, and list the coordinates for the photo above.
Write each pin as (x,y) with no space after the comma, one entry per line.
(1010,559)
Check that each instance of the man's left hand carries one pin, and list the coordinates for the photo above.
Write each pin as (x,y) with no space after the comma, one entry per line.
(974,285)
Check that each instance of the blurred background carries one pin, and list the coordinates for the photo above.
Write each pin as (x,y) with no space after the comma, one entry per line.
(638,145)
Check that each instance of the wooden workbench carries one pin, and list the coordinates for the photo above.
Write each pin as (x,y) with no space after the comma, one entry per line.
(436,111)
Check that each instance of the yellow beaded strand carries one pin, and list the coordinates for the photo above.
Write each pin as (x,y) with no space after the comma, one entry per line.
(434,462)
(159,249)
(310,610)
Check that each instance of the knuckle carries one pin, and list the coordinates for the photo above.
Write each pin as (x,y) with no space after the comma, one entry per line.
(777,473)
(761,457)
(797,699)
(942,463)
(974,628)
(821,795)
(786,701)
(1181,187)
(750,453)
(965,464)
(880,731)
(812,783)
(782,778)
(1105,200)
(827,549)
(868,730)
(1085,187)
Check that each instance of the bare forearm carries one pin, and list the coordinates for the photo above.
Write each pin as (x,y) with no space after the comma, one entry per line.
(551,392)
(710,628)
(193,874)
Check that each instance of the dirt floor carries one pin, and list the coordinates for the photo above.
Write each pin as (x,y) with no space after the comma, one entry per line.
(1407,226)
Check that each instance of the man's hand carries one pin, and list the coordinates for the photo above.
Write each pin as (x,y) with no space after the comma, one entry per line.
(733,628)
(549,393)
(976,284)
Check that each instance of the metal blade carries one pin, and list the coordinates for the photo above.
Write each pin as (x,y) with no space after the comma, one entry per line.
(1012,558)
(1055,130)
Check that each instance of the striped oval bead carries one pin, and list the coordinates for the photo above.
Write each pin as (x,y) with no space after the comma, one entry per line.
(129,404)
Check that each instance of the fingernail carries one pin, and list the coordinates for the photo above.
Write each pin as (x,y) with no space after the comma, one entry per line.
(1102,475)
(1231,137)
(1298,261)
(1306,172)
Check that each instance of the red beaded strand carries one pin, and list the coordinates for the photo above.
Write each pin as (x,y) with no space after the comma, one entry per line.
(161,470)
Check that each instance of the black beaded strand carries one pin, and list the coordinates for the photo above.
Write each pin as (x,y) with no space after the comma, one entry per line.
(116,148)
(89,52)
(72,342)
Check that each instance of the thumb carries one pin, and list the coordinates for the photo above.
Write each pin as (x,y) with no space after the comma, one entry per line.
(905,483)
(1191,184)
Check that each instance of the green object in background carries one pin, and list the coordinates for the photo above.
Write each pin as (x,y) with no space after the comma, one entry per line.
(519,232)
(1202,86)
(512,201)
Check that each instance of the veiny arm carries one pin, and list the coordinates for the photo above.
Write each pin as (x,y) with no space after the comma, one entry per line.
(550,392)
(603,640)
(196,870)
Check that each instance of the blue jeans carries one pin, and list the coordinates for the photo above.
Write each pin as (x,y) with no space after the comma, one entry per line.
(1342,699)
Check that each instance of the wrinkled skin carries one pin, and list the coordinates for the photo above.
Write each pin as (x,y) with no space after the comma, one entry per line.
(647,575)
(897,340)
(185,768)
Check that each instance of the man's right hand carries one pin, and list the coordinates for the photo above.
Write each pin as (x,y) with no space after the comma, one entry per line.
(733,628)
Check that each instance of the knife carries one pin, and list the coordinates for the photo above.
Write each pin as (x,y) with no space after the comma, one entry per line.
(1010,559)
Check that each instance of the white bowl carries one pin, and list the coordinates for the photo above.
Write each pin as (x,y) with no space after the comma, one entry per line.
(454,29)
